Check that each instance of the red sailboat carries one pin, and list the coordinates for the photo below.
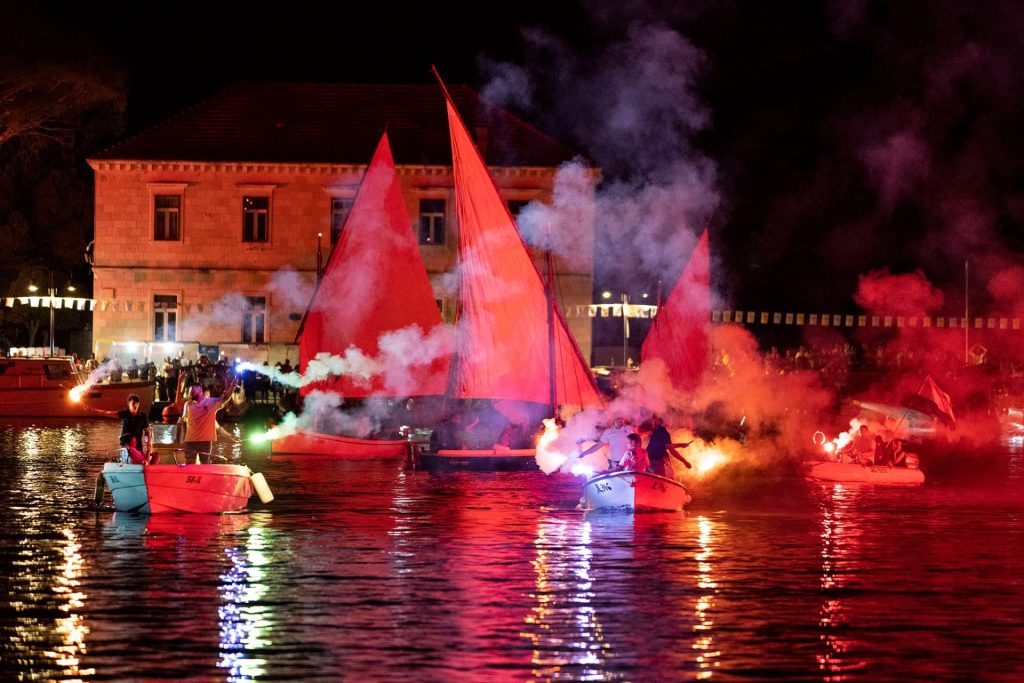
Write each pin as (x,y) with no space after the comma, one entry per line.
(355,304)
(679,334)
(512,342)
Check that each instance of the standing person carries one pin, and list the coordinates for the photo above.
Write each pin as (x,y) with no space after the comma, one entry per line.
(134,427)
(635,459)
(660,445)
(199,418)
(616,437)
(135,423)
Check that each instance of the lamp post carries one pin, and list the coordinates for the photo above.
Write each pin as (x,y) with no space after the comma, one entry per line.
(52,294)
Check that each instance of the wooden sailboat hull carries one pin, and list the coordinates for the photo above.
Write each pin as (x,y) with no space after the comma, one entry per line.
(178,488)
(847,472)
(487,460)
(304,442)
(635,491)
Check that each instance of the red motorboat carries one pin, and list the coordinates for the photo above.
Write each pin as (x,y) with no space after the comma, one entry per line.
(209,488)
(304,442)
(42,387)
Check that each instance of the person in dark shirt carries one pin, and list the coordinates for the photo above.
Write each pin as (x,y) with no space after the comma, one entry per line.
(134,423)
(660,446)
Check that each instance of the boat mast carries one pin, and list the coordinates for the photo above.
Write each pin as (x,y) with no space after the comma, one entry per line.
(551,327)
(967,319)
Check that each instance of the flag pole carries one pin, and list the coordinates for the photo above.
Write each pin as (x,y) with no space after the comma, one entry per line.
(906,411)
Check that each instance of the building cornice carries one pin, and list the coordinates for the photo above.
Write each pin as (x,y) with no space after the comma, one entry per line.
(304,169)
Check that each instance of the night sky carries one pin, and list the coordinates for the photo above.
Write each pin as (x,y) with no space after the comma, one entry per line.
(821,143)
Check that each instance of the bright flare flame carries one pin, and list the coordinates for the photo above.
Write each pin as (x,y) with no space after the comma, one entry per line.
(76,392)
(708,459)
(549,459)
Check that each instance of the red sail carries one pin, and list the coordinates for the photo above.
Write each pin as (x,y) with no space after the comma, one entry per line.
(374,283)
(503,342)
(679,335)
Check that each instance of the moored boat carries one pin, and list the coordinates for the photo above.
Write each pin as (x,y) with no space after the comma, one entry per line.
(41,387)
(512,344)
(305,442)
(479,460)
(851,472)
(355,306)
(634,490)
(203,488)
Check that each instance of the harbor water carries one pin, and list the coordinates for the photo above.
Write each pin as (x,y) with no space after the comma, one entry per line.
(366,571)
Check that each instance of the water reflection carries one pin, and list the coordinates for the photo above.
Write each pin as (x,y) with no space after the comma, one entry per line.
(704,641)
(244,623)
(71,628)
(563,626)
(840,541)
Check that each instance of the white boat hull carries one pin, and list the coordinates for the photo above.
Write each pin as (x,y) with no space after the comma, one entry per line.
(847,472)
(635,491)
(127,484)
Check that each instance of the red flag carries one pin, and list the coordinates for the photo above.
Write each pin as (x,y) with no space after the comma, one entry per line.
(930,390)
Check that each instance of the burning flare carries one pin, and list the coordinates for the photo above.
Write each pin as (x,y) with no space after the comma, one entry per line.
(76,392)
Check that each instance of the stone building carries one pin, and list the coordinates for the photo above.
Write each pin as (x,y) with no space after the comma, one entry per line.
(209,227)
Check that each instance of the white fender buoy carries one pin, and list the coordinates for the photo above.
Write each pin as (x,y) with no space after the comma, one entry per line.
(259,482)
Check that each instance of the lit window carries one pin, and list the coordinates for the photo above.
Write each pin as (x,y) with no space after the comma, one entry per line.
(165,317)
(255,219)
(432,221)
(254,317)
(167,217)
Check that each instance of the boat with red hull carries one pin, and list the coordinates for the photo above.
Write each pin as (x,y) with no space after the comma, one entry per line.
(305,442)
(355,306)
(201,488)
(41,387)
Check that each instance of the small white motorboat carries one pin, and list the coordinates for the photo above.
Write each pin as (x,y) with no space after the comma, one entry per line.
(634,490)
(205,488)
(851,472)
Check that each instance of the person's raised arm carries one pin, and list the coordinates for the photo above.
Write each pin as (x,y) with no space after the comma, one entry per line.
(678,456)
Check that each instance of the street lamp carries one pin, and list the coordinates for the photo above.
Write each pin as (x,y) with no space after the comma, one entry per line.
(52,293)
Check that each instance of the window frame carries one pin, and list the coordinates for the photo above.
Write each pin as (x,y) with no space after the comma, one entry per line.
(438,222)
(250,334)
(160,310)
(166,190)
(256,191)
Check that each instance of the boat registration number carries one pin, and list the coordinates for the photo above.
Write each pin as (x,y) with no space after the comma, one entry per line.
(603,486)
(659,486)
(193,479)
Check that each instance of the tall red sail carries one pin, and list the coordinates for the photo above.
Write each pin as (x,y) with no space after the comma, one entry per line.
(503,340)
(374,283)
(679,335)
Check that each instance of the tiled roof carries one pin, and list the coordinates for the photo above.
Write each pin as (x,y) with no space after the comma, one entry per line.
(336,123)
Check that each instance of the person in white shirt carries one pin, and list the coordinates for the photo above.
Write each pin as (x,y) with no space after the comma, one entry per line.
(616,438)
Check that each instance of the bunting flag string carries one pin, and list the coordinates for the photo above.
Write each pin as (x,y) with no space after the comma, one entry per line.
(742,317)
(739,317)
(57,302)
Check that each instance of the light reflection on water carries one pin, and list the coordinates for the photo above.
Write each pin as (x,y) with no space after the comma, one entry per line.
(366,571)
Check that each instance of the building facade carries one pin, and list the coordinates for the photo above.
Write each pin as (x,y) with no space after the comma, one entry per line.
(210,227)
